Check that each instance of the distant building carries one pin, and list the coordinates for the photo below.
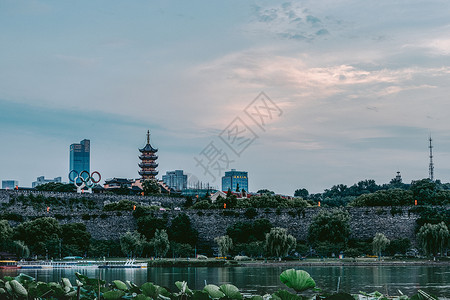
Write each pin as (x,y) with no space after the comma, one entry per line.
(175,180)
(233,178)
(196,193)
(41,180)
(80,156)
(148,159)
(9,184)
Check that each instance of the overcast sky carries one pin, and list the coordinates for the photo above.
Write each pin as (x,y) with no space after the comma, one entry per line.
(356,88)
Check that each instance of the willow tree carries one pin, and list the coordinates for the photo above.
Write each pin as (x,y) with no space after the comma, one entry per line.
(433,238)
(225,244)
(379,243)
(279,242)
(160,242)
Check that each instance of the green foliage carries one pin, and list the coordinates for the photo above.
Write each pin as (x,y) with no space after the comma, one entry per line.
(41,235)
(250,213)
(122,205)
(26,287)
(76,235)
(181,250)
(204,204)
(246,232)
(12,217)
(132,243)
(5,232)
(160,243)
(431,215)
(148,225)
(391,197)
(298,280)
(379,243)
(151,187)
(57,187)
(102,248)
(433,238)
(279,242)
(330,226)
(181,230)
(225,244)
(398,246)
(302,193)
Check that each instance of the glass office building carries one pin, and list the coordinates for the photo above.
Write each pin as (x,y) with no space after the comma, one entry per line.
(233,178)
(80,156)
(9,184)
(175,180)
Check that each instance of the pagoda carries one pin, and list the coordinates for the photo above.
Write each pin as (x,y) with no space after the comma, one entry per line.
(148,158)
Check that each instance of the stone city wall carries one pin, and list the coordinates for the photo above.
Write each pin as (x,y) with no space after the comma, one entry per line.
(165,201)
(365,222)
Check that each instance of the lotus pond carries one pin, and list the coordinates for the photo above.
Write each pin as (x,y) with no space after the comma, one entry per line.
(260,280)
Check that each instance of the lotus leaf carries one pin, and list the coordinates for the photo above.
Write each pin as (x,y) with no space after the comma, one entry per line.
(213,291)
(285,295)
(182,286)
(200,295)
(299,280)
(113,295)
(18,288)
(150,290)
(231,291)
(142,297)
(120,285)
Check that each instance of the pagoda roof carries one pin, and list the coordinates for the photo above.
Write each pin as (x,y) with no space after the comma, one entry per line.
(148,147)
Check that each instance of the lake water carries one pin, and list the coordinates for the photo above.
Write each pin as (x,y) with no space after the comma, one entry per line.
(261,280)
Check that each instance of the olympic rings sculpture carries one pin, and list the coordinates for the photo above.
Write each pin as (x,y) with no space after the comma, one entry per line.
(84,179)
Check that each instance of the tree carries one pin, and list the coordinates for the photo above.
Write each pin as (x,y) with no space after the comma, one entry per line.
(330,226)
(303,193)
(151,187)
(148,225)
(225,244)
(41,235)
(265,191)
(76,235)
(433,238)
(279,242)
(181,230)
(424,191)
(379,243)
(237,188)
(160,243)
(132,243)
(5,232)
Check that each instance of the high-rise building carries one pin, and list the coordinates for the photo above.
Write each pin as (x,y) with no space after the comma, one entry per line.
(9,184)
(233,178)
(41,180)
(175,180)
(148,158)
(80,156)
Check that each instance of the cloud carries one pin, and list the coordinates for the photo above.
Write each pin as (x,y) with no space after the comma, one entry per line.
(291,21)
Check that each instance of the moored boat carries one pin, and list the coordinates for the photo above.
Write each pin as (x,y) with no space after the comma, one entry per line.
(8,264)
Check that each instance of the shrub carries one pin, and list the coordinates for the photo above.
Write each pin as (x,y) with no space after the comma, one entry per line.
(250,213)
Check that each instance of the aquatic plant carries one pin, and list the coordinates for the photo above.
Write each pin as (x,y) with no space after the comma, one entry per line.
(26,287)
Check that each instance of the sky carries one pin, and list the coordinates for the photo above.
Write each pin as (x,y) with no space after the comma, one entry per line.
(300,94)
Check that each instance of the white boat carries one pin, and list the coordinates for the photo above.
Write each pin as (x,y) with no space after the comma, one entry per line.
(82,264)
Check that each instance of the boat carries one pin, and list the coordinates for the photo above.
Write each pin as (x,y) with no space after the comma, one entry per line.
(82,264)
(8,264)
(128,264)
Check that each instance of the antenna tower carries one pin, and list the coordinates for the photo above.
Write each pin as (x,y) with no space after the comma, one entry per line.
(431,167)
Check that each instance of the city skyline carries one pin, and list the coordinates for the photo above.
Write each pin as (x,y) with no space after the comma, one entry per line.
(361,87)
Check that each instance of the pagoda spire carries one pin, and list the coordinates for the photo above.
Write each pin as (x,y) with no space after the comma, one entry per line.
(148,159)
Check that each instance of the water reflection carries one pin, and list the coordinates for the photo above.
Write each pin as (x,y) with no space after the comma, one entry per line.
(260,280)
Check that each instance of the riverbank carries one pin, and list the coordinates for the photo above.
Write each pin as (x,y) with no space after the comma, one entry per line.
(211,262)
